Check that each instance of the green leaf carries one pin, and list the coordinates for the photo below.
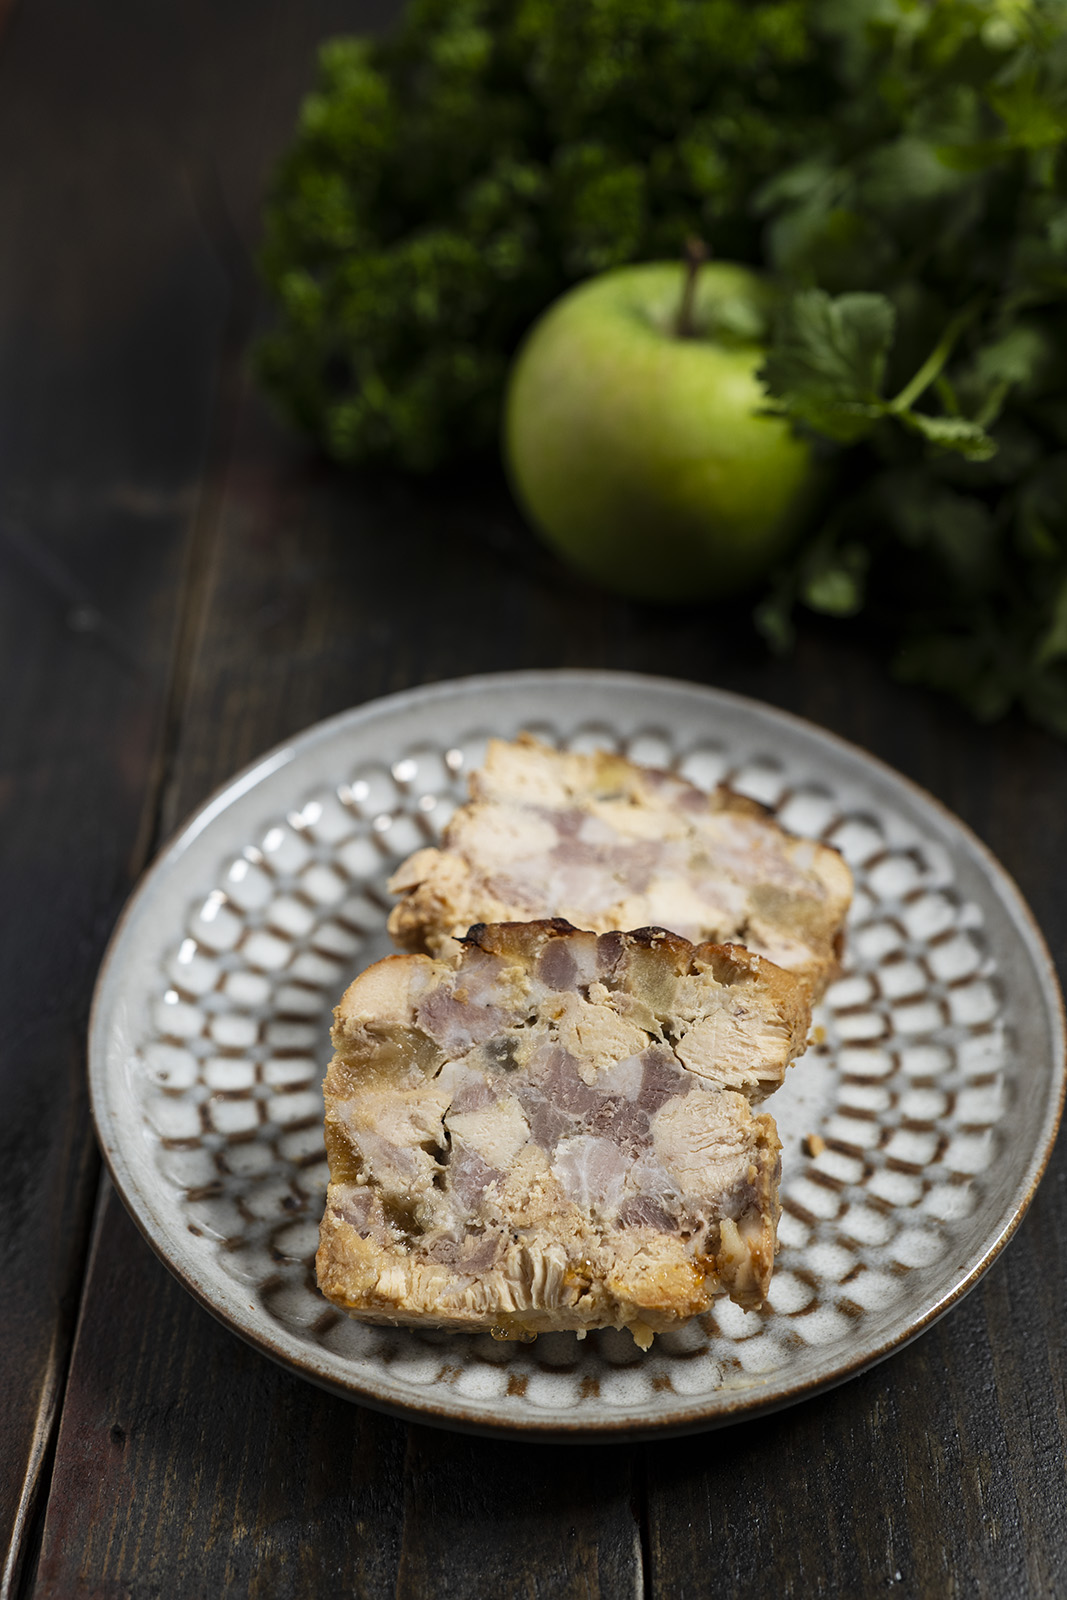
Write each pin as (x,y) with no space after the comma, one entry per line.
(835,585)
(1034,115)
(952,433)
(1041,514)
(978,155)
(601,204)
(905,173)
(793,184)
(835,346)
(827,363)
(1015,358)
(824,240)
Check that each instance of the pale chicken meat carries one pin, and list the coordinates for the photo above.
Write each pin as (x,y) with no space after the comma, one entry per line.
(543,1128)
(608,844)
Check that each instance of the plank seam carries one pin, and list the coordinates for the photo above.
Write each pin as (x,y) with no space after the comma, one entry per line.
(641,1511)
(19,1576)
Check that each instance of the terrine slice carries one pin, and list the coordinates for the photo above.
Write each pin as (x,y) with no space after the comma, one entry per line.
(609,844)
(545,1129)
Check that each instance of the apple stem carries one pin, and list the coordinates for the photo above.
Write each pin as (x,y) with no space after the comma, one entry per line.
(696,253)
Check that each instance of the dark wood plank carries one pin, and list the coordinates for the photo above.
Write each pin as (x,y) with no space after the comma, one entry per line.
(913,1480)
(524,1521)
(110,315)
(190,1465)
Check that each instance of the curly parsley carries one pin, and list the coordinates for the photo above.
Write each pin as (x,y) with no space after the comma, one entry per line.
(447,182)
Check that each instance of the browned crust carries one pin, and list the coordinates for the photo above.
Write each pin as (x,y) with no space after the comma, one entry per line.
(729,964)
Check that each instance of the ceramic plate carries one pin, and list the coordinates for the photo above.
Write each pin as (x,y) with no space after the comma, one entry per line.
(915,1130)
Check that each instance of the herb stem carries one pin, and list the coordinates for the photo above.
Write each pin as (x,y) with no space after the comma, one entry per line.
(947,395)
(935,361)
(991,410)
(696,253)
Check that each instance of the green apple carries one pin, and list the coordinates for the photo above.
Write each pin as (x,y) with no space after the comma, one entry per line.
(644,454)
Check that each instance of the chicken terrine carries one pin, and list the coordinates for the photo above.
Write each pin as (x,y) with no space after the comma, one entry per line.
(608,844)
(550,1129)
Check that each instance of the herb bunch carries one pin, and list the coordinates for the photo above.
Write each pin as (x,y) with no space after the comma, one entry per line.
(925,239)
(898,165)
(449,181)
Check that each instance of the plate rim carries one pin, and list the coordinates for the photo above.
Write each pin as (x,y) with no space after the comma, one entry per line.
(746,1404)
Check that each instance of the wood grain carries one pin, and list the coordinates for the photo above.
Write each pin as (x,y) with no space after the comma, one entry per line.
(99,475)
(117,314)
(903,1482)
(190,1465)
(530,1521)
(182,586)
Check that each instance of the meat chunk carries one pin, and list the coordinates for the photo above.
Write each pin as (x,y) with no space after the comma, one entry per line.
(608,844)
(543,1128)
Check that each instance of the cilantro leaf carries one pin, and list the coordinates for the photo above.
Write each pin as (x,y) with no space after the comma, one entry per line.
(952,433)
(828,361)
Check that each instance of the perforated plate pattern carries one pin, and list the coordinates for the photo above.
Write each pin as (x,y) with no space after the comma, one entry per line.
(914,1129)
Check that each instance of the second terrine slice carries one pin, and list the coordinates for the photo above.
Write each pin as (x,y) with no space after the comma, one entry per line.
(607,844)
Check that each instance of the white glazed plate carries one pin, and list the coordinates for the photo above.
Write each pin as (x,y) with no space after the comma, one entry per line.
(915,1131)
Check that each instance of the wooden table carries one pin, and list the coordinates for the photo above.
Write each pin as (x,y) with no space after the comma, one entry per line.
(182,585)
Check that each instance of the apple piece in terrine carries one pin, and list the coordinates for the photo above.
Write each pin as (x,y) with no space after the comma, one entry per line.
(609,844)
(550,1129)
